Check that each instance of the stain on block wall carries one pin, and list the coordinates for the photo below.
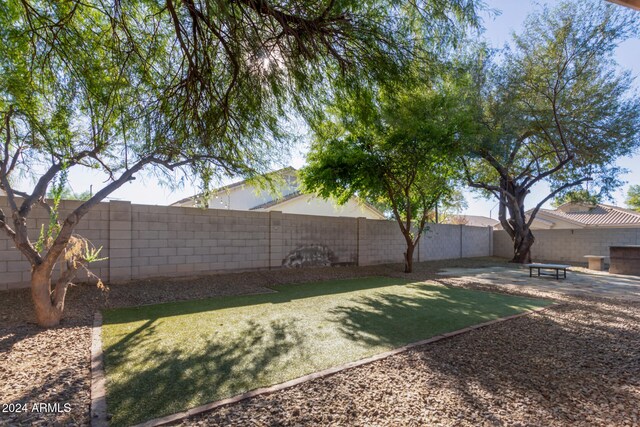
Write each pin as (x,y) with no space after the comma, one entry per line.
(310,256)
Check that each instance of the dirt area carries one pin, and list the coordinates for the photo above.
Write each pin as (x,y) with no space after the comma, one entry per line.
(578,363)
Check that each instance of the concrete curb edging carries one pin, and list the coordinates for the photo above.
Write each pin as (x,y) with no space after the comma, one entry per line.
(98,395)
(100,399)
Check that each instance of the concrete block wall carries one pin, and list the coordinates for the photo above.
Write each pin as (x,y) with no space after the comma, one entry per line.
(476,241)
(171,241)
(380,242)
(569,245)
(441,241)
(15,271)
(338,234)
(120,238)
(141,241)
(383,242)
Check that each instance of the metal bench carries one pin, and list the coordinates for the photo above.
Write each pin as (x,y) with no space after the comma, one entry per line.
(556,267)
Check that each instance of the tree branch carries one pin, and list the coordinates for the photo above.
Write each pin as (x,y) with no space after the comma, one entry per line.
(551,171)
(535,210)
(492,188)
(5,226)
(74,217)
(502,216)
(40,188)
(394,206)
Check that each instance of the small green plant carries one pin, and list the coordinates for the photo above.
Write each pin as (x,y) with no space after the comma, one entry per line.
(92,255)
(49,233)
(79,252)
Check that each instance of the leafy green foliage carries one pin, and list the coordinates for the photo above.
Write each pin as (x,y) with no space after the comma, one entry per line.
(92,254)
(633,197)
(69,194)
(209,81)
(396,147)
(576,196)
(205,85)
(451,206)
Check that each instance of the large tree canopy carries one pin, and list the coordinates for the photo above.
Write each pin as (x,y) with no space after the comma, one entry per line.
(554,109)
(395,147)
(204,84)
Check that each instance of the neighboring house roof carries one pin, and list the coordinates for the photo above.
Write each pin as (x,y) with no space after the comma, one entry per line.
(587,215)
(182,201)
(541,222)
(284,171)
(473,220)
(277,201)
(289,193)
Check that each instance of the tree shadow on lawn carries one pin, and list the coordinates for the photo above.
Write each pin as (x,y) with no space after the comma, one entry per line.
(581,366)
(174,380)
(282,294)
(394,320)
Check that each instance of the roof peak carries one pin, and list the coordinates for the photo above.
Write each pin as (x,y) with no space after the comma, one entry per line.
(284,170)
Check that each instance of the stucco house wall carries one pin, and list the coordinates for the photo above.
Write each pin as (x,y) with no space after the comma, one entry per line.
(307,204)
(283,197)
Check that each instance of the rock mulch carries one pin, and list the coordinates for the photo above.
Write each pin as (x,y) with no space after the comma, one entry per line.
(578,363)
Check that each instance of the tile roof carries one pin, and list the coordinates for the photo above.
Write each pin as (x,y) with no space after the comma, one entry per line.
(598,215)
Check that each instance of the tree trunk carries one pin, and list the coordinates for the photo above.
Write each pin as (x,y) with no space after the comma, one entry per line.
(408,257)
(48,312)
(522,243)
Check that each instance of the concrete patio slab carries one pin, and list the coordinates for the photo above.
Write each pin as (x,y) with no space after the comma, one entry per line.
(598,284)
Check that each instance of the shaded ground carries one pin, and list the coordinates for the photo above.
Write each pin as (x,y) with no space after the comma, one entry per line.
(167,358)
(575,364)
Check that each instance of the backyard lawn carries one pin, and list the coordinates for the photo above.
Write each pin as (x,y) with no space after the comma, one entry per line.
(165,358)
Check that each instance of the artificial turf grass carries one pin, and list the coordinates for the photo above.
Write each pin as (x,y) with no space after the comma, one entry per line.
(166,358)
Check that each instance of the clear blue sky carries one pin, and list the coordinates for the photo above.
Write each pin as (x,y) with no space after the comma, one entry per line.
(146,190)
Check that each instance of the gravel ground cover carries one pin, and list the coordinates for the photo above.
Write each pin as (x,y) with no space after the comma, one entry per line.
(576,364)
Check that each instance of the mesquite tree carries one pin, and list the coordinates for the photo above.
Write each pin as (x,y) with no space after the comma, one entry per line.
(396,148)
(198,84)
(555,109)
